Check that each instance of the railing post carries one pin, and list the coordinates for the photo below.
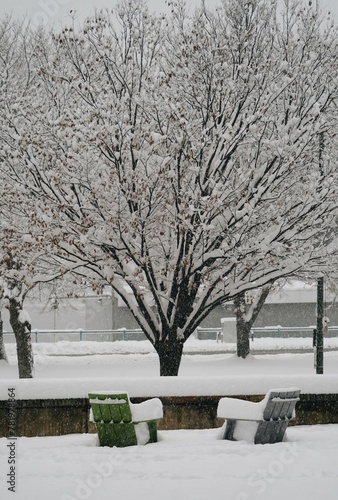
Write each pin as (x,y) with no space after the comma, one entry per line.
(319,351)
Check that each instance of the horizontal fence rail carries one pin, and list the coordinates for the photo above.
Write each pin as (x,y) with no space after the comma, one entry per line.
(82,335)
(290,331)
(138,334)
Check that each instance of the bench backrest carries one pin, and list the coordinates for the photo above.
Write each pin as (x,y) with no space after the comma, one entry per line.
(279,409)
(281,405)
(110,408)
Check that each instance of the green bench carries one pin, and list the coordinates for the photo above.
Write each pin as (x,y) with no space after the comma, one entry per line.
(121,423)
(263,422)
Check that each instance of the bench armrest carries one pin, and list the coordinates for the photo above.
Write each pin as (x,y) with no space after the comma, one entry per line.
(238,409)
(151,409)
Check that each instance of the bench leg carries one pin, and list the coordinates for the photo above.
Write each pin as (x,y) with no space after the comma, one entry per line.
(152,426)
(229,430)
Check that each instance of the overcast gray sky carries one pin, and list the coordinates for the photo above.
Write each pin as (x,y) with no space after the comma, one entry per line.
(50,11)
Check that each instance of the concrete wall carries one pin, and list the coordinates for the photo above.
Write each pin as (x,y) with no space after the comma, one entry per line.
(274,314)
(53,417)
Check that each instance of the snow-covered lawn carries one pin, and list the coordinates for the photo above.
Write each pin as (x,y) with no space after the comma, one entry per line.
(182,465)
(186,464)
(133,366)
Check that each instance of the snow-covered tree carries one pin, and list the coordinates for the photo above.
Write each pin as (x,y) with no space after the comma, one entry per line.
(15,81)
(23,261)
(17,262)
(176,158)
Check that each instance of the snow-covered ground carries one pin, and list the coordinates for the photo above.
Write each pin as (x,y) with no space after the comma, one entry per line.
(133,366)
(183,465)
(195,464)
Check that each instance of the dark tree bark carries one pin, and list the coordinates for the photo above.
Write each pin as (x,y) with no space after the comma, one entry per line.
(242,327)
(3,355)
(170,355)
(22,331)
(245,317)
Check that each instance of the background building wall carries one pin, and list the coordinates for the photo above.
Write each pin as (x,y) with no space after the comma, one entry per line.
(294,307)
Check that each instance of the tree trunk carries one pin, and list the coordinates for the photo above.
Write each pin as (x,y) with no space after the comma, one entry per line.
(242,327)
(170,355)
(243,339)
(22,331)
(245,318)
(3,355)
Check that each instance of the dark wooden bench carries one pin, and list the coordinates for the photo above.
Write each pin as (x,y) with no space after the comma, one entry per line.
(263,422)
(121,423)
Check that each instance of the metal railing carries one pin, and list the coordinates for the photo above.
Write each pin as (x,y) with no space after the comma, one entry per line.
(137,334)
(82,335)
(104,335)
(290,331)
